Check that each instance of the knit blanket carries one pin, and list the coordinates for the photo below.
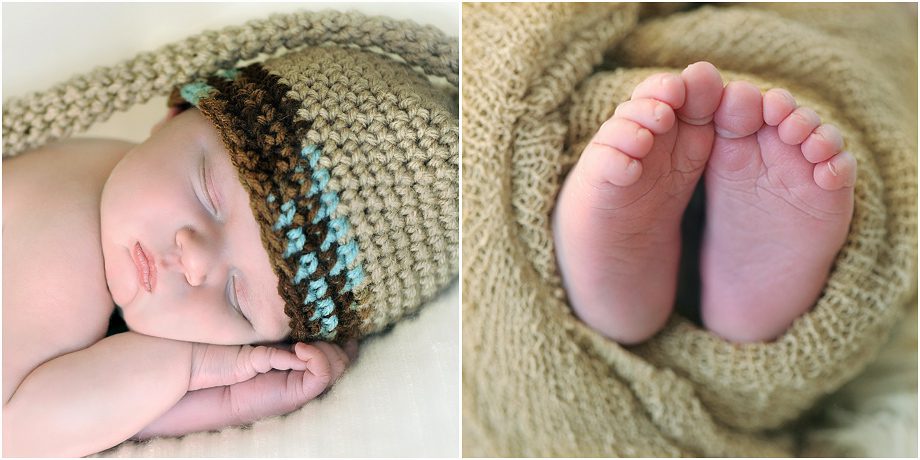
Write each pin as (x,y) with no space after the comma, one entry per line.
(538,80)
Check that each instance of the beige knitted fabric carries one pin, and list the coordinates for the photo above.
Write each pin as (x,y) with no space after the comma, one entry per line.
(83,100)
(391,144)
(350,156)
(538,81)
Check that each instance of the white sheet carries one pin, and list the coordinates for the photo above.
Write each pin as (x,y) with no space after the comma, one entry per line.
(400,399)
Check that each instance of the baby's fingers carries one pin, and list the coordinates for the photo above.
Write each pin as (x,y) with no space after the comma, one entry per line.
(318,374)
(338,359)
(264,359)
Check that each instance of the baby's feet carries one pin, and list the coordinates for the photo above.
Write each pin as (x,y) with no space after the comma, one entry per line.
(779,199)
(617,219)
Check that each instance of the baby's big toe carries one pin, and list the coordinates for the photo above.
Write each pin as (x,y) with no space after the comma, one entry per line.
(740,113)
(703,85)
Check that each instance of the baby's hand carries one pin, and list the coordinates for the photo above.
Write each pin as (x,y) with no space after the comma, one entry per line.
(325,363)
(274,392)
(219,365)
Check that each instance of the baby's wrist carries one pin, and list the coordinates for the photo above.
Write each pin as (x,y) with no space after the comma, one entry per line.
(197,369)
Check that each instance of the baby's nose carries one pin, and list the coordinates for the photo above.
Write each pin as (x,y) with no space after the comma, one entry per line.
(195,256)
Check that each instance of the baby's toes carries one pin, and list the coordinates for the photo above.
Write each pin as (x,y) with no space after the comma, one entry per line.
(836,173)
(613,153)
(604,164)
(777,105)
(740,113)
(626,136)
(824,142)
(665,87)
(656,116)
(703,85)
(798,125)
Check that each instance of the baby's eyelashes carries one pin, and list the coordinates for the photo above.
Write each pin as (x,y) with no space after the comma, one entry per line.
(207,188)
(234,293)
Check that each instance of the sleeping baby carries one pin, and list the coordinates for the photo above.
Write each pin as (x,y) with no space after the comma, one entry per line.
(779,200)
(247,244)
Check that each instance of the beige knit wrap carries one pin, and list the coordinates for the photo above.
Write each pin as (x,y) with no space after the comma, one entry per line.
(538,81)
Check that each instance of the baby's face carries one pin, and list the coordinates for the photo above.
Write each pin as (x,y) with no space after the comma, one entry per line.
(183,253)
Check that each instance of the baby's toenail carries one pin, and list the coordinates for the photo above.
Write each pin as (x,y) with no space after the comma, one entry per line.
(644,134)
(632,166)
(830,167)
(660,112)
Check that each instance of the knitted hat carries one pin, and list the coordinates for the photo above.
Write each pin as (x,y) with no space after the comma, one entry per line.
(351,162)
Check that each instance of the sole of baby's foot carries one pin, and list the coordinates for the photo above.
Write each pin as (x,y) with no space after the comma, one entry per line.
(779,200)
(617,220)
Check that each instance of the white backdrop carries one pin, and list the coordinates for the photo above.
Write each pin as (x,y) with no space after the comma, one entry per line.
(401,398)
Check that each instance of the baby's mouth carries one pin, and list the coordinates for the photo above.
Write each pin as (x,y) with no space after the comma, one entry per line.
(146,268)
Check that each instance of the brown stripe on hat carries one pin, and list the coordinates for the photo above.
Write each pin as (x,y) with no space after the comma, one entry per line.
(254,116)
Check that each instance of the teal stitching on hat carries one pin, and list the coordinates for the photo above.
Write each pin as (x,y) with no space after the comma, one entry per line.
(287,215)
(338,227)
(296,240)
(323,308)
(228,74)
(328,202)
(299,170)
(353,278)
(320,179)
(346,255)
(329,324)
(311,153)
(316,290)
(308,263)
(194,91)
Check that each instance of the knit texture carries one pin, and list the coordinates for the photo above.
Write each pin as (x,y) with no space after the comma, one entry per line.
(350,158)
(83,100)
(539,79)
